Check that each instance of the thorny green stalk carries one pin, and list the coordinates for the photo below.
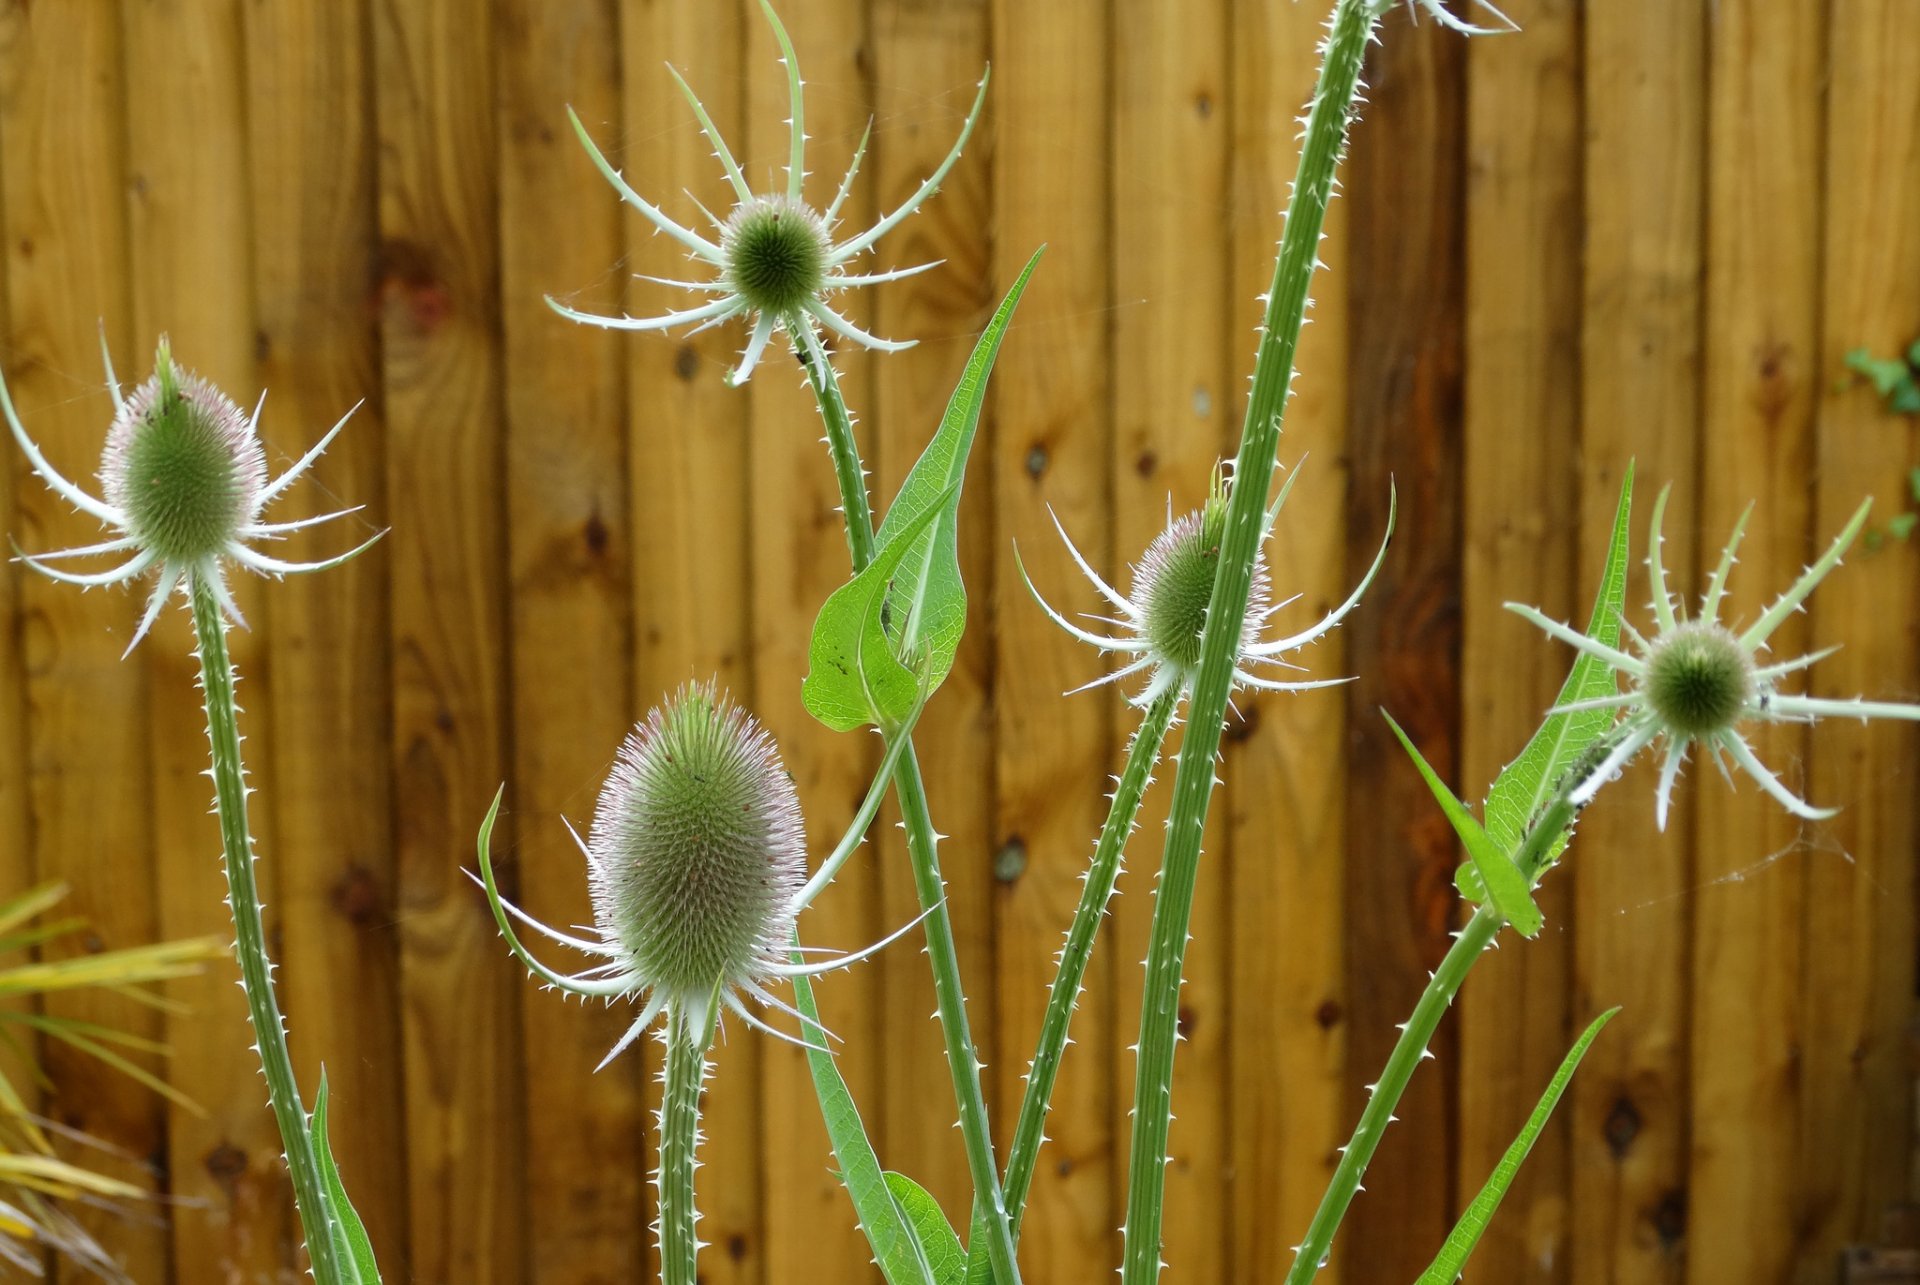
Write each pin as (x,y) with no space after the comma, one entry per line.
(1411,1048)
(250,938)
(685,1071)
(963,1061)
(1326,131)
(1097,890)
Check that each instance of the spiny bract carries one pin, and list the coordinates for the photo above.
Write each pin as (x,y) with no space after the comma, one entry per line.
(1165,619)
(774,257)
(185,481)
(697,850)
(1697,682)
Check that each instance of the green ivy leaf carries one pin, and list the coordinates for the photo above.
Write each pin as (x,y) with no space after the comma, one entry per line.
(856,671)
(938,1243)
(351,1245)
(1900,526)
(1525,784)
(927,594)
(1493,865)
(1452,1258)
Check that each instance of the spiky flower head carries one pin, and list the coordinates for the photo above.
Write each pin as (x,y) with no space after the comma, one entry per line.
(776,260)
(697,869)
(1700,682)
(1165,617)
(697,852)
(184,480)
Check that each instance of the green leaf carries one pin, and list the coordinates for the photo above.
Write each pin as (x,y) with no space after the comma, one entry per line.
(927,594)
(1525,784)
(1913,484)
(1901,525)
(894,1247)
(938,1243)
(1905,399)
(856,671)
(351,1244)
(1493,865)
(1452,1258)
(1884,373)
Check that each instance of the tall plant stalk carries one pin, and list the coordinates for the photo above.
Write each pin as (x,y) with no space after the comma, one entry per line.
(1351,27)
(686,1070)
(250,938)
(963,1061)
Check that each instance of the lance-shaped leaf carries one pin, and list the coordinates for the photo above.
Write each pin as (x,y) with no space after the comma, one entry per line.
(938,1243)
(1452,1259)
(1493,864)
(927,595)
(351,1243)
(857,670)
(1525,784)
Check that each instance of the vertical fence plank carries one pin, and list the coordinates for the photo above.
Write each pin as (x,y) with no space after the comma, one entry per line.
(1170,398)
(1856,1126)
(927,59)
(1405,376)
(799,557)
(1759,382)
(191,280)
(1285,793)
(311,160)
(687,481)
(439,287)
(1640,397)
(1051,406)
(568,605)
(62,130)
(1521,513)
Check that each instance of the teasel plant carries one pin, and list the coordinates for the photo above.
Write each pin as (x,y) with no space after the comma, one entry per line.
(887,638)
(184,486)
(696,865)
(38,1185)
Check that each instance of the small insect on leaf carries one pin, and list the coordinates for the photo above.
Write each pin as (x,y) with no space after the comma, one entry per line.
(1452,1258)
(1496,874)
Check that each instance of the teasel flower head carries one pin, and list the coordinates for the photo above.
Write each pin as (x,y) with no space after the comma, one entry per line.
(776,262)
(1700,682)
(183,486)
(1162,620)
(696,866)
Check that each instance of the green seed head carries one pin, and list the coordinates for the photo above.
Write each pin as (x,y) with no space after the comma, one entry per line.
(775,251)
(697,848)
(1699,679)
(183,464)
(1173,583)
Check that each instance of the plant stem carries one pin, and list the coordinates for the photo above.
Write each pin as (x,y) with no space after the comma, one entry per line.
(1102,875)
(1352,25)
(679,1137)
(250,938)
(963,1062)
(1408,1051)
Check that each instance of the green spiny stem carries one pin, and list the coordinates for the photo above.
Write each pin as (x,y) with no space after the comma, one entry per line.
(686,1070)
(1352,25)
(250,938)
(1102,876)
(1097,890)
(1411,1048)
(963,1062)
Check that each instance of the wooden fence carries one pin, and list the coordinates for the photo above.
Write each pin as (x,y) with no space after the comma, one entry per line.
(1644,230)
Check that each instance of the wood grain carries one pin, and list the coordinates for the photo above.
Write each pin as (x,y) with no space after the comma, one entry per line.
(569,602)
(1285,760)
(1640,402)
(1171,406)
(1520,544)
(442,372)
(311,166)
(1404,371)
(1052,411)
(1759,388)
